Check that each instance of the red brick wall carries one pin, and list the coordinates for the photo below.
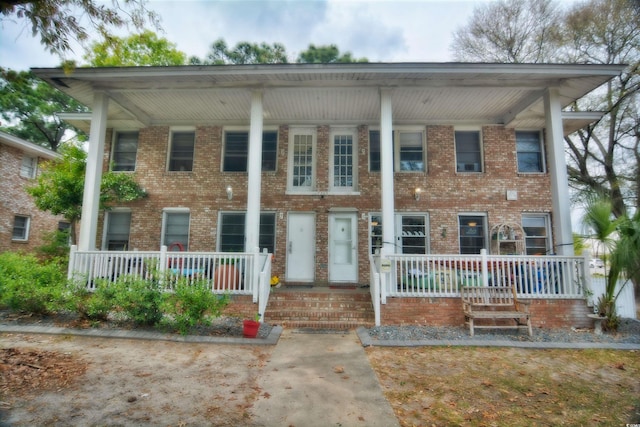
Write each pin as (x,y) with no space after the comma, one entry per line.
(548,314)
(14,200)
(445,192)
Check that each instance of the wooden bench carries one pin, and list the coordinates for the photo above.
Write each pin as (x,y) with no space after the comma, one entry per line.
(493,303)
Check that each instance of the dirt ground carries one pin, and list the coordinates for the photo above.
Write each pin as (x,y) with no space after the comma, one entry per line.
(65,380)
(69,380)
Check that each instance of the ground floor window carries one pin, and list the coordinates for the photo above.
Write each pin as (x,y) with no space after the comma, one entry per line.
(232,232)
(21,228)
(118,225)
(536,230)
(175,229)
(411,233)
(473,233)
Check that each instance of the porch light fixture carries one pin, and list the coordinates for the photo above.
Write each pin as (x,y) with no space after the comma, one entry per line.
(229,193)
(416,193)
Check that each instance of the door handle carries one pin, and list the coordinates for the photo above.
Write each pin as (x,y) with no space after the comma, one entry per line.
(290,247)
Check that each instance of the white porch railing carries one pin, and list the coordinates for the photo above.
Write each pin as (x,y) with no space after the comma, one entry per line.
(374,287)
(264,286)
(226,273)
(547,277)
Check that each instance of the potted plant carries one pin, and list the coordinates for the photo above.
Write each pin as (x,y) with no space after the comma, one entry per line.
(227,275)
(275,281)
(250,327)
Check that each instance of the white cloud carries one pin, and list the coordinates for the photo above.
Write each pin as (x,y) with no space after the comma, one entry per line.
(388,31)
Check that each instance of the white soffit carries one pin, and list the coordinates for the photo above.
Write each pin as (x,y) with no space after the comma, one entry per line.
(346,93)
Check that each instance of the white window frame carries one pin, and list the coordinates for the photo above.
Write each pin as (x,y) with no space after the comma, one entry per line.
(114,143)
(309,131)
(398,230)
(396,147)
(481,148)
(107,219)
(369,151)
(30,169)
(543,165)
(26,228)
(353,133)
(223,213)
(485,224)
(547,225)
(169,211)
(245,129)
(172,131)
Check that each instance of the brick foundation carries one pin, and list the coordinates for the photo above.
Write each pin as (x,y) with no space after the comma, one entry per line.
(548,314)
(241,306)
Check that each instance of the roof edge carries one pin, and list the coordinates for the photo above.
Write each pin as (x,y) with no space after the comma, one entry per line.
(378,67)
(27,146)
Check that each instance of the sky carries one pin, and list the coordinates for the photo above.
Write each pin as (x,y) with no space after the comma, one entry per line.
(380,30)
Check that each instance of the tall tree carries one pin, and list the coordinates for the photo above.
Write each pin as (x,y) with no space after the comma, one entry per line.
(145,48)
(605,157)
(29,107)
(509,31)
(60,185)
(326,55)
(58,22)
(243,53)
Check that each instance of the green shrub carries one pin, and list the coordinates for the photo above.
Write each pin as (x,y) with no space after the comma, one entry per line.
(192,304)
(139,299)
(29,285)
(56,246)
(92,305)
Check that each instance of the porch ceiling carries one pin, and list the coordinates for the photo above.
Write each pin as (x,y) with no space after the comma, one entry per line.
(469,94)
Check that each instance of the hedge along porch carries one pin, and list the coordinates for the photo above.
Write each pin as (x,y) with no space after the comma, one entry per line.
(324,165)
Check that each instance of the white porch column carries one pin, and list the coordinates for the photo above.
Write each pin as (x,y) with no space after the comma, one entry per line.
(93,173)
(558,174)
(254,169)
(386,172)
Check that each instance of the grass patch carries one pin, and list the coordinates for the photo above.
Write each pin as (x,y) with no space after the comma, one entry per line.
(506,387)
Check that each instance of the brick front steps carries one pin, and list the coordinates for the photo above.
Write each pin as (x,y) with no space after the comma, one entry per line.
(320,308)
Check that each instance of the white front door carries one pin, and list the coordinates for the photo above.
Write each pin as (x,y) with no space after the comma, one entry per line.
(301,247)
(343,244)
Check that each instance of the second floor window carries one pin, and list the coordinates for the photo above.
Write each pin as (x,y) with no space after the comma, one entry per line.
(302,173)
(468,151)
(343,161)
(529,149)
(236,151)
(29,167)
(374,150)
(410,151)
(125,150)
(181,154)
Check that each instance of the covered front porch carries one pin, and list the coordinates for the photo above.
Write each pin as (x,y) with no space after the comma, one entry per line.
(404,289)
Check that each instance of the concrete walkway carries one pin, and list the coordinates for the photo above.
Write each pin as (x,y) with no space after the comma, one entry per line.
(315,379)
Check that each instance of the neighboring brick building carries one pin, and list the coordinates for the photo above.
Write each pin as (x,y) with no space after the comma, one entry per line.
(22,225)
(412,158)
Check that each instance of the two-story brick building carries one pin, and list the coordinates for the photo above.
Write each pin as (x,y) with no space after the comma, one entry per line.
(323,165)
(22,225)
(327,163)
